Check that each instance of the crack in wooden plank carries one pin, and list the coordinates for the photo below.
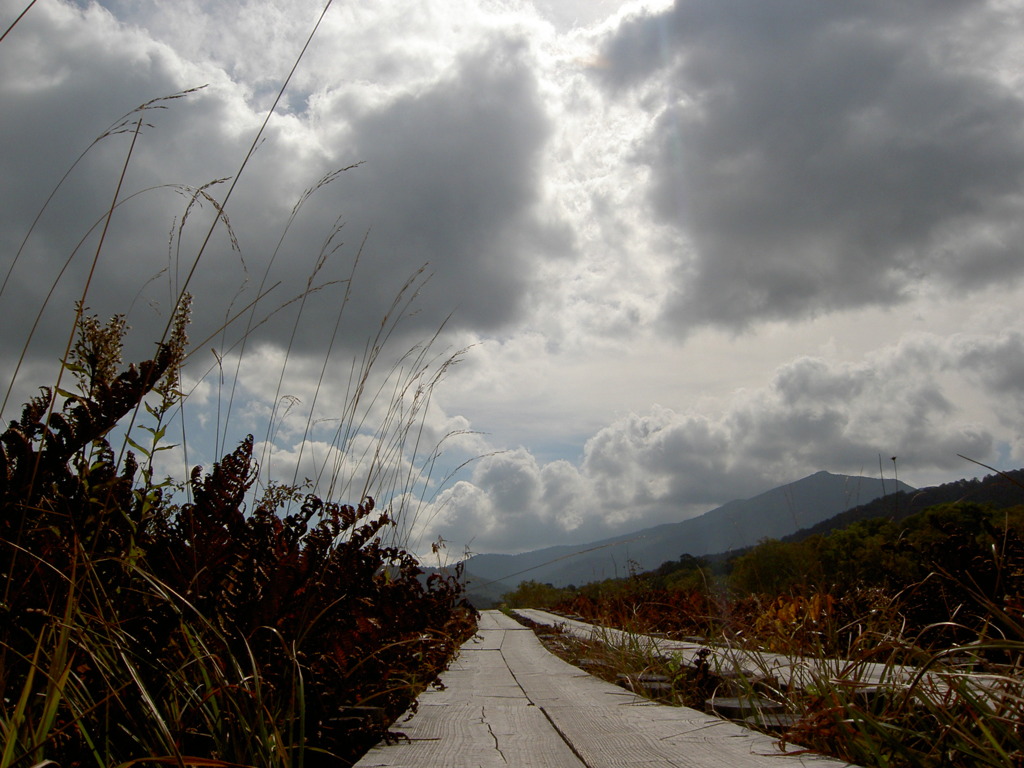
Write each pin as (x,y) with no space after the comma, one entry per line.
(490,730)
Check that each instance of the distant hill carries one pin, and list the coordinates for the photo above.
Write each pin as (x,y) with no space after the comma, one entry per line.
(738,524)
(996,491)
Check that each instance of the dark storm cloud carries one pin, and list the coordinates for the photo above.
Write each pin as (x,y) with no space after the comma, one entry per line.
(449,178)
(997,363)
(825,155)
(64,85)
(817,412)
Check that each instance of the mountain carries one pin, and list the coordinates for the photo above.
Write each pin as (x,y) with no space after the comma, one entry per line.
(773,514)
(997,491)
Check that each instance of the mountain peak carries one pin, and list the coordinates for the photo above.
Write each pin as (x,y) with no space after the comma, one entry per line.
(741,523)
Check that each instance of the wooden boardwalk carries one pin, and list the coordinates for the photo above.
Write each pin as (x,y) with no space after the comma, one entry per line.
(794,671)
(791,671)
(509,702)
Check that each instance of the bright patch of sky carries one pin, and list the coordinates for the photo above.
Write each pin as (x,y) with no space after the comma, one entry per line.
(692,250)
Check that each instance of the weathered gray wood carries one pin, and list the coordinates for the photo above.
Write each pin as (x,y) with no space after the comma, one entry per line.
(790,671)
(485,640)
(508,702)
(474,733)
(498,620)
(480,718)
(610,727)
(729,662)
(484,674)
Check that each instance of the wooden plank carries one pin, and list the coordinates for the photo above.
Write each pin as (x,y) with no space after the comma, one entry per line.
(497,620)
(792,670)
(549,681)
(480,676)
(480,718)
(491,631)
(613,728)
(519,705)
(485,640)
(631,736)
(471,733)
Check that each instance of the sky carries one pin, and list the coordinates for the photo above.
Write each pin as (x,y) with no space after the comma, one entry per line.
(616,263)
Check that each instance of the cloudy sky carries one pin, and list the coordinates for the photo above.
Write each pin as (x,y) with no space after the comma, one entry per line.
(682,252)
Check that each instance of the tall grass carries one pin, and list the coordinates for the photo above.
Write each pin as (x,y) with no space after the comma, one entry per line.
(926,676)
(226,617)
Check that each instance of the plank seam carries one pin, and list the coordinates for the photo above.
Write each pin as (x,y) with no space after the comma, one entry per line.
(561,735)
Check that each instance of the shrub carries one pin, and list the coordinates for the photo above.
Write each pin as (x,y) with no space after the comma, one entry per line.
(133,626)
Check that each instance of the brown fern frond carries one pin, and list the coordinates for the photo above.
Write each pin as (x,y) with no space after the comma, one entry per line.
(34,412)
(220,496)
(85,420)
(366,532)
(18,453)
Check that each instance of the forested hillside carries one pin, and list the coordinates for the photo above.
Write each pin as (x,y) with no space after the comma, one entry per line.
(995,491)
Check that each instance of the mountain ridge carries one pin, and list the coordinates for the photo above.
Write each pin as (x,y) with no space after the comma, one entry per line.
(776,513)
(1000,490)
